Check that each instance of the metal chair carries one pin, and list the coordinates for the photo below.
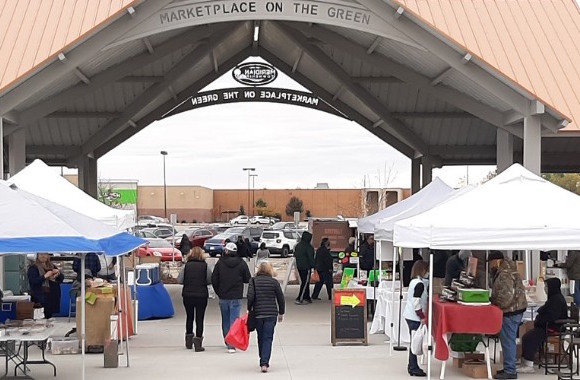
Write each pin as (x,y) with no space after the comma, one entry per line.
(570,338)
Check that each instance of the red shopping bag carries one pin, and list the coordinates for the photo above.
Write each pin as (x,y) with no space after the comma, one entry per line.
(239,336)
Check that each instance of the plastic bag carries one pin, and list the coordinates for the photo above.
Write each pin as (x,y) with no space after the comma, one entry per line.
(239,336)
(419,340)
(315,276)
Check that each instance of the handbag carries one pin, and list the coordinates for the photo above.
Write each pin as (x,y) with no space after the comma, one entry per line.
(315,276)
(419,341)
(252,322)
(239,336)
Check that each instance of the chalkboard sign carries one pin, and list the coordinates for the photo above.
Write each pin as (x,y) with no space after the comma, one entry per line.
(349,317)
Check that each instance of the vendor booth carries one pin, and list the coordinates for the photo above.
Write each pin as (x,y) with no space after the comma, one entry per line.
(517,210)
(38,225)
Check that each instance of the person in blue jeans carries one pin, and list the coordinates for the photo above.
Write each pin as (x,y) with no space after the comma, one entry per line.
(228,279)
(266,299)
(507,293)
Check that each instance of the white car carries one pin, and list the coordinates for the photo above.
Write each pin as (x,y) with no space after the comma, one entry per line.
(260,220)
(242,219)
(280,242)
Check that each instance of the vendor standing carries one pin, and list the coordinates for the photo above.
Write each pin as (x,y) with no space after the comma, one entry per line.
(367,253)
(573,270)
(456,264)
(44,279)
(509,295)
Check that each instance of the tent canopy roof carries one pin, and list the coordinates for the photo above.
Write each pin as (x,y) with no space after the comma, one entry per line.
(515,210)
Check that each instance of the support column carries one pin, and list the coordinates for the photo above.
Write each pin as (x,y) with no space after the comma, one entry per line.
(505,150)
(427,168)
(415,175)
(533,144)
(16,151)
(88,175)
(1,149)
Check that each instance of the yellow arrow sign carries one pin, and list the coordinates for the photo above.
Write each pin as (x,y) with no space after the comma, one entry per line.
(349,300)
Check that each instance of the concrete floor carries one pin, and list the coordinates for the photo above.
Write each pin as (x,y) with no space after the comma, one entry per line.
(302,350)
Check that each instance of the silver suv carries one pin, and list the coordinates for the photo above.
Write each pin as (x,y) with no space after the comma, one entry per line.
(280,242)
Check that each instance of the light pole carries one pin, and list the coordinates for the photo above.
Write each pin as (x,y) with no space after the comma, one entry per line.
(249,170)
(164,153)
(253,193)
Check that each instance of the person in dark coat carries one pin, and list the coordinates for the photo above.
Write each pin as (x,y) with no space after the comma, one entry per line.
(228,279)
(92,263)
(243,248)
(323,265)
(367,253)
(266,298)
(195,277)
(554,309)
(304,255)
(44,280)
(455,264)
(184,246)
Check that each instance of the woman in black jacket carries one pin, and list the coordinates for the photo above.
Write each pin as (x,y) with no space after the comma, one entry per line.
(554,309)
(195,277)
(44,279)
(323,265)
(184,246)
(266,299)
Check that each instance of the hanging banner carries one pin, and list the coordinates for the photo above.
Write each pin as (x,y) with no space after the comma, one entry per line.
(261,94)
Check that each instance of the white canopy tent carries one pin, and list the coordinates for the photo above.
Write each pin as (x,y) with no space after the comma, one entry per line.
(517,210)
(434,190)
(41,180)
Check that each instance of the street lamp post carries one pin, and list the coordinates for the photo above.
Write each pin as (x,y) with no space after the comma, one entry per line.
(253,193)
(164,153)
(249,170)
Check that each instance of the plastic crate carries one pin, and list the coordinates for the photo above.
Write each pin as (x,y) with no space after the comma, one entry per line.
(64,346)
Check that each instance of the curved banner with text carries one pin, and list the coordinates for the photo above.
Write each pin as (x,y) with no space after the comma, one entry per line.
(262,94)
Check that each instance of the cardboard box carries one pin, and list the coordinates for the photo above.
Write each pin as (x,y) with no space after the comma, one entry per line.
(24,310)
(521,269)
(475,370)
(525,327)
(553,345)
(98,326)
(150,260)
(469,357)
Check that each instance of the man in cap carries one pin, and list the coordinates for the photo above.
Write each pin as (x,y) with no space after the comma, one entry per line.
(507,293)
(228,279)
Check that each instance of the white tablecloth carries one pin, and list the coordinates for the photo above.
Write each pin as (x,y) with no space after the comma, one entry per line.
(384,314)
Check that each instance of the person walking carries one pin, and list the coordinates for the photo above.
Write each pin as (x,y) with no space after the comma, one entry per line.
(195,277)
(44,279)
(572,266)
(266,300)
(262,254)
(415,307)
(184,246)
(243,248)
(507,293)
(554,309)
(228,279)
(323,265)
(304,255)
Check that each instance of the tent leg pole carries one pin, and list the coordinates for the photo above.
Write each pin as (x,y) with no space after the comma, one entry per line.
(430,316)
(83,313)
(119,310)
(392,335)
(127,303)
(398,347)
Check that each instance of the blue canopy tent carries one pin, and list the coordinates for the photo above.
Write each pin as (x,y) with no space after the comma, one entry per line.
(34,225)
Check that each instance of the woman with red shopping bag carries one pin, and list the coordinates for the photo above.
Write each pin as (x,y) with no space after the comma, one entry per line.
(266,302)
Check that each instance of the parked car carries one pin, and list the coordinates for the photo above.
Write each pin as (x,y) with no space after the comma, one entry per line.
(160,248)
(145,234)
(241,219)
(196,236)
(150,219)
(160,232)
(280,242)
(261,220)
(215,246)
(221,228)
(283,226)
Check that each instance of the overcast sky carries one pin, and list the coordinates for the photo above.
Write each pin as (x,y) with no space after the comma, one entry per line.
(289,146)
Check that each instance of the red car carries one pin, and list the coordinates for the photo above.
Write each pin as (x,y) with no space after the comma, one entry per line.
(161,248)
(197,236)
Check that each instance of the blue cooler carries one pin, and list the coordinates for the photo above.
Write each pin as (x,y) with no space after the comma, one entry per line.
(7,311)
(148,274)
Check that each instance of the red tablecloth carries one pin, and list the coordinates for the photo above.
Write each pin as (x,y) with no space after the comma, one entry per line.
(450,317)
